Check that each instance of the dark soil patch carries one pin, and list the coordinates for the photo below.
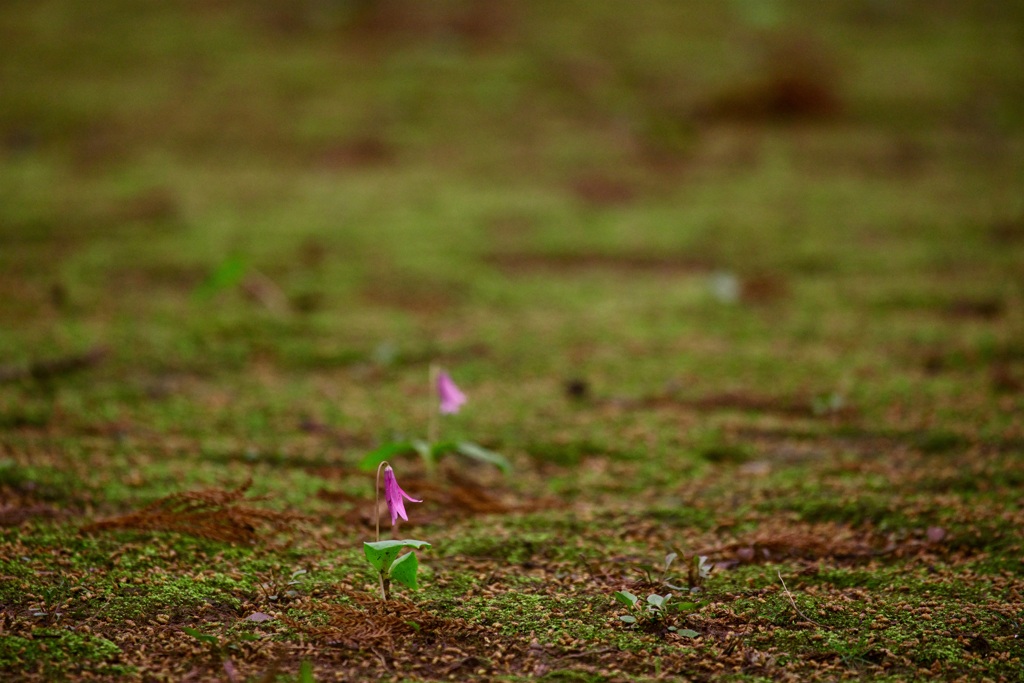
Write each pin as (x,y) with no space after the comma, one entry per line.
(409,293)
(14,512)
(602,190)
(806,406)
(368,151)
(1008,232)
(619,262)
(838,543)
(53,368)
(367,623)
(1007,378)
(982,309)
(763,288)
(798,81)
(179,278)
(154,205)
(480,25)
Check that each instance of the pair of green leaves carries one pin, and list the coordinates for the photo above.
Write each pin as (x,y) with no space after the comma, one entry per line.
(432,452)
(383,555)
(629,600)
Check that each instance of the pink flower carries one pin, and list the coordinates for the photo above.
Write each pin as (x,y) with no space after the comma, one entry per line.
(393,495)
(451,396)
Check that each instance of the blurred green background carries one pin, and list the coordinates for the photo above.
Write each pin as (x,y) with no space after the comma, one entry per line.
(264,208)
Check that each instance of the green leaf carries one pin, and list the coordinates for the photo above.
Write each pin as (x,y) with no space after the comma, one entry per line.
(306,671)
(628,619)
(403,570)
(382,554)
(657,600)
(686,606)
(441,447)
(200,636)
(626,598)
(225,276)
(688,633)
(374,458)
(426,451)
(477,452)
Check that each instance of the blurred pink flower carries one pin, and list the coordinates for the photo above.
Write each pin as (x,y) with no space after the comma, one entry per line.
(393,495)
(451,396)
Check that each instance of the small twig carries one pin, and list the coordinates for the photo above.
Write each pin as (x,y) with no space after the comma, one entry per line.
(383,662)
(793,602)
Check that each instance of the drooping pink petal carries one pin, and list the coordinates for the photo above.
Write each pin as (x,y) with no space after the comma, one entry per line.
(451,396)
(393,495)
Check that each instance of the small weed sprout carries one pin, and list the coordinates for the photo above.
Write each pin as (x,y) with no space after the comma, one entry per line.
(654,611)
(279,588)
(656,608)
(53,600)
(698,570)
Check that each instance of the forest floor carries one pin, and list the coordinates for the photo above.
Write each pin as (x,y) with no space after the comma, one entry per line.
(737,281)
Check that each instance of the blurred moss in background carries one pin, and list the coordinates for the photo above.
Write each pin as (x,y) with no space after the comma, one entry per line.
(378,163)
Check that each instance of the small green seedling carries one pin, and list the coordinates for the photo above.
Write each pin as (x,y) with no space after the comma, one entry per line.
(53,600)
(698,570)
(276,588)
(655,609)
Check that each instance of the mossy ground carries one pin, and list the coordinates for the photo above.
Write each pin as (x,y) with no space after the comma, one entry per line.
(741,280)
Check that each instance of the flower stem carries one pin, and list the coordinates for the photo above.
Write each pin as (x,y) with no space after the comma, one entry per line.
(376,517)
(376,498)
(432,424)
